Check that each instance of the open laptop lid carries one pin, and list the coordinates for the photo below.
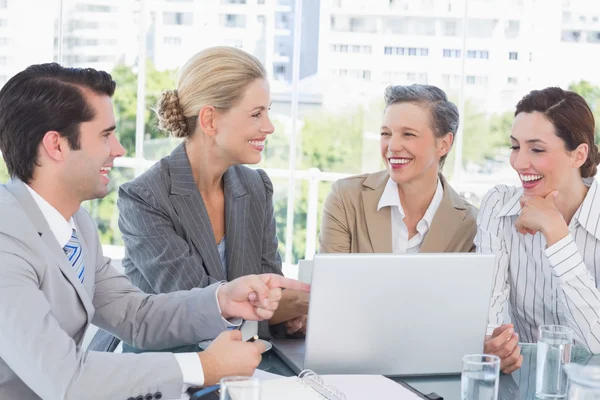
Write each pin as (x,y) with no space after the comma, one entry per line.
(397,315)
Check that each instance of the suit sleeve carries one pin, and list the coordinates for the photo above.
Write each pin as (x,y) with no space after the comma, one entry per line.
(47,359)
(335,234)
(160,254)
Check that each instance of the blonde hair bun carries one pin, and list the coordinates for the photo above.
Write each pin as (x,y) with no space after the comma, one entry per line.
(170,114)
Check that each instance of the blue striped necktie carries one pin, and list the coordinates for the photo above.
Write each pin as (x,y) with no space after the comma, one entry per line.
(75,255)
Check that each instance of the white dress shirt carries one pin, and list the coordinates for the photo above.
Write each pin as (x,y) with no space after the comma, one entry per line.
(400,242)
(191,367)
(557,285)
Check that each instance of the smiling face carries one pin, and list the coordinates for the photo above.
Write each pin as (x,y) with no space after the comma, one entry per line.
(409,147)
(241,131)
(540,158)
(86,169)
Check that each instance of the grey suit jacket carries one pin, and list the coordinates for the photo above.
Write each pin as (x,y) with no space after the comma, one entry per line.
(45,311)
(169,241)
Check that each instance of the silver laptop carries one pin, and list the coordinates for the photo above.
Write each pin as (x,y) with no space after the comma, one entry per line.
(395,315)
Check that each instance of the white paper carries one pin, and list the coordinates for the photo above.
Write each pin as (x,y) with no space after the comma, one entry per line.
(354,387)
(360,387)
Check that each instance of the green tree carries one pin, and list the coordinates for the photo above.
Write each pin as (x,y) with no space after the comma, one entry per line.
(125,104)
(591,94)
(3,171)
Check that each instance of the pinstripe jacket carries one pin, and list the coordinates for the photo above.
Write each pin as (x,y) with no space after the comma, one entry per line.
(169,242)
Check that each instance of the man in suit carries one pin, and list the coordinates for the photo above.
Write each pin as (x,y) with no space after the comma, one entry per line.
(57,136)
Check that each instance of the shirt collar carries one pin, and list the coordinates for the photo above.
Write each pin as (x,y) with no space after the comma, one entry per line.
(513,206)
(390,198)
(587,214)
(60,227)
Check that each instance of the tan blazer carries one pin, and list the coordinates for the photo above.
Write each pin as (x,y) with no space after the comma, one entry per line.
(352,224)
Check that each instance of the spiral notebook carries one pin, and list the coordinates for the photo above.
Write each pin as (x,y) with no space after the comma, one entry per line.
(309,386)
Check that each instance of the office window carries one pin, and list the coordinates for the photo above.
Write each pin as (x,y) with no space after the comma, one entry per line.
(512,80)
(478,54)
(233,20)
(94,8)
(3,23)
(410,51)
(452,28)
(4,41)
(512,29)
(3,3)
(476,80)
(178,18)
(172,40)
(280,69)
(352,73)
(451,53)
(513,55)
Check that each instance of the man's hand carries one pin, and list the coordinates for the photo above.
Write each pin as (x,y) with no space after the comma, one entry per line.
(504,344)
(540,214)
(296,325)
(227,355)
(255,297)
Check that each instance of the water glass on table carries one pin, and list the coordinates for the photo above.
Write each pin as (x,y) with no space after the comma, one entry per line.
(240,388)
(553,352)
(480,376)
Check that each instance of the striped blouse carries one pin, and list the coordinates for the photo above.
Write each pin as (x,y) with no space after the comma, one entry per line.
(535,285)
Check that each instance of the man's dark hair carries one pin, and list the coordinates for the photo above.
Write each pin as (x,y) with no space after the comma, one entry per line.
(43,98)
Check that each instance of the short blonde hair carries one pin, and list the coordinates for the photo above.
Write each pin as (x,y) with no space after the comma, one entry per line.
(216,76)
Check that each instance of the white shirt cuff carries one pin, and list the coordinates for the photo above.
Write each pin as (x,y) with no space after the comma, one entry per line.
(191,369)
(232,323)
(564,258)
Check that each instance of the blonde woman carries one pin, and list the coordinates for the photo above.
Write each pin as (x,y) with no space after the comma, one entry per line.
(199,216)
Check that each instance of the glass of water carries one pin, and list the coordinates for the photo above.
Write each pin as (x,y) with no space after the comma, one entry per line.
(480,376)
(240,388)
(553,352)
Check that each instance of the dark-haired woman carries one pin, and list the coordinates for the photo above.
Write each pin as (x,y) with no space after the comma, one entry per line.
(546,233)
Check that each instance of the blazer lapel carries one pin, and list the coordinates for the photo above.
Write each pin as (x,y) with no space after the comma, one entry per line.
(446,221)
(379,223)
(237,209)
(190,207)
(18,189)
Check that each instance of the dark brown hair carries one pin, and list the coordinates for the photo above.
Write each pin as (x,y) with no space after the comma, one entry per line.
(572,119)
(42,98)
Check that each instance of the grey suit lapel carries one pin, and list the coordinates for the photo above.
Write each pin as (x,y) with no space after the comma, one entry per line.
(18,189)
(237,207)
(190,207)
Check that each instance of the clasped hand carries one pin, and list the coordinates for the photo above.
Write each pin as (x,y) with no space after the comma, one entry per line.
(255,297)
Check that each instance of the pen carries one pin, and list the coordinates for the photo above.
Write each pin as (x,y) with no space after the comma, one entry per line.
(197,392)
(253,339)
